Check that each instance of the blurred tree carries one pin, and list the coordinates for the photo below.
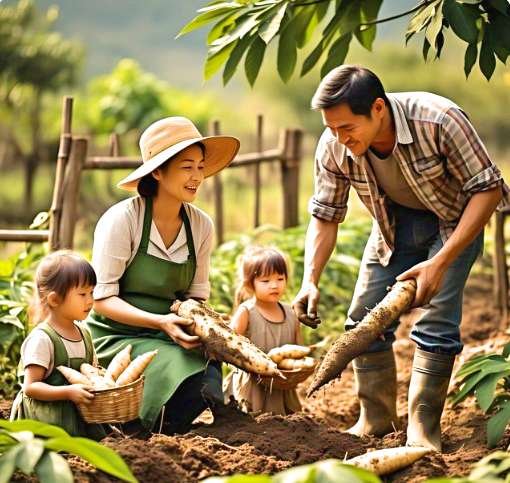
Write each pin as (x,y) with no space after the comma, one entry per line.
(248,26)
(33,61)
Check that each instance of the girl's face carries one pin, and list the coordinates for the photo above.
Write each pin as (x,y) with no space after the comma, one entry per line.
(269,288)
(77,303)
(183,175)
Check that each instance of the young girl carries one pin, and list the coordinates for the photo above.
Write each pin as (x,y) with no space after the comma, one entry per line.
(64,284)
(268,323)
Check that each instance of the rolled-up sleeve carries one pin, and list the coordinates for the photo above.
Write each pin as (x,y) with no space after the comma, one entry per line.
(329,201)
(466,156)
(112,250)
(200,286)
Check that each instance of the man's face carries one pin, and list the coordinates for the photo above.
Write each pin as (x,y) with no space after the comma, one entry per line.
(355,131)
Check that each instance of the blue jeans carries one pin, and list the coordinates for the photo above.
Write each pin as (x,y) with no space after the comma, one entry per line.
(416,239)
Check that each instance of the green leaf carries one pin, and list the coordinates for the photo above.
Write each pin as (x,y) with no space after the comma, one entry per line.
(8,464)
(215,61)
(470,58)
(254,59)
(304,23)
(462,19)
(506,350)
(439,44)
(223,25)
(420,20)
(369,12)
(501,5)
(336,54)
(480,362)
(96,454)
(53,468)
(235,57)
(6,441)
(425,50)
(497,424)
(206,17)
(36,427)
(29,454)
(271,26)
(435,26)
(501,53)
(287,53)
(487,60)
(486,390)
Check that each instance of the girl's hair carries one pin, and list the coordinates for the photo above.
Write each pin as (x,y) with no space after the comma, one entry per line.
(59,272)
(148,185)
(258,262)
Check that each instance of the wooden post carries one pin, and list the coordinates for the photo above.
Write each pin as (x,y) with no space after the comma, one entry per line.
(63,156)
(259,148)
(500,268)
(292,142)
(218,194)
(71,190)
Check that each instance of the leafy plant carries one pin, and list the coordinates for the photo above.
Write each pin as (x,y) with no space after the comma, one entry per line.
(245,28)
(16,291)
(33,447)
(337,281)
(488,378)
(327,471)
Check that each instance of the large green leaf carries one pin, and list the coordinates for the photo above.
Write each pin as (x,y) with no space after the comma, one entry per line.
(36,427)
(95,453)
(235,57)
(435,25)
(366,33)
(29,454)
(53,468)
(271,26)
(205,17)
(8,464)
(478,363)
(420,19)
(462,19)
(225,24)
(215,61)
(287,53)
(304,24)
(254,59)
(470,58)
(486,390)
(336,54)
(497,424)
(487,59)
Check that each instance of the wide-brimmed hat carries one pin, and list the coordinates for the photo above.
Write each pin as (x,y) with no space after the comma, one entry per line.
(167,137)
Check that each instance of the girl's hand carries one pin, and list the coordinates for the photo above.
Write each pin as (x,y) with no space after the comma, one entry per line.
(174,326)
(78,394)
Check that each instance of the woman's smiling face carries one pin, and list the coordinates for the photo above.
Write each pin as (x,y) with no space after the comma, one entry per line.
(182,176)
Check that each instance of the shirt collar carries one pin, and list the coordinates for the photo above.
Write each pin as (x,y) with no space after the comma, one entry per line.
(402,130)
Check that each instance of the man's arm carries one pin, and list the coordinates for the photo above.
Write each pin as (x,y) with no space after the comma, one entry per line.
(429,274)
(319,244)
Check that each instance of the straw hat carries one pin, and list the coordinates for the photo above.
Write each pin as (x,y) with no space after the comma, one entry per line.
(169,136)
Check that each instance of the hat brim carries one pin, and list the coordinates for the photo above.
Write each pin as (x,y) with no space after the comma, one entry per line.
(219,153)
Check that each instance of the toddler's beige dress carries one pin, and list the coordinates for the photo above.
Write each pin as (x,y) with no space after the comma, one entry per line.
(251,395)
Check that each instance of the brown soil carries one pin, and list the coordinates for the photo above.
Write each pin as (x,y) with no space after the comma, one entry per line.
(239,443)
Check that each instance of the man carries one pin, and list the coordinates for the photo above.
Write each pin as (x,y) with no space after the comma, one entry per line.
(421,170)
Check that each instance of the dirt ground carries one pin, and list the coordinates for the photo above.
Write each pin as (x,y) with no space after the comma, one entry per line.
(241,443)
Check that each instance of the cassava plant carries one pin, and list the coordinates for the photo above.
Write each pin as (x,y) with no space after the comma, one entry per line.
(487,377)
(32,447)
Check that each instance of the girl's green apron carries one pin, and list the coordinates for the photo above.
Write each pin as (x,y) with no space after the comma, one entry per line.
(151,284)
(61,413)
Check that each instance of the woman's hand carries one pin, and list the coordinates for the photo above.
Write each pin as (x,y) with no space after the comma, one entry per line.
(78,394)
(174,326)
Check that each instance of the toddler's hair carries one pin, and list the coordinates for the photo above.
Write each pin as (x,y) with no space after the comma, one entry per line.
(258,261)
(59,272)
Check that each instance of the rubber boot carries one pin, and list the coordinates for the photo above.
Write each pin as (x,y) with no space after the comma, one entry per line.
(427,394)
(376,385)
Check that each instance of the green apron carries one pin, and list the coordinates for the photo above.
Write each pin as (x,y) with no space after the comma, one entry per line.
(151,284)
(61,413)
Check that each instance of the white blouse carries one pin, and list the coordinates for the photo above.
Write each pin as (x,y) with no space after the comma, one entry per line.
(118,234)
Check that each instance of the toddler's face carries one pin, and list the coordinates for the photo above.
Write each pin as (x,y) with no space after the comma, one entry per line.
(78,302)
(269,288)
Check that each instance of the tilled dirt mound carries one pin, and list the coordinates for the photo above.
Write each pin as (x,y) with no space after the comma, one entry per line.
(239,443)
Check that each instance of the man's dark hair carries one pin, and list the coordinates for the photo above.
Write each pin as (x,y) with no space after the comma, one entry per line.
(353,85)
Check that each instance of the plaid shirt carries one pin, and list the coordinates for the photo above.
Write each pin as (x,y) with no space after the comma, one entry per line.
(439,153)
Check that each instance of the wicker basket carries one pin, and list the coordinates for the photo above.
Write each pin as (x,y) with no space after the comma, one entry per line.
(294,377)
(115,405)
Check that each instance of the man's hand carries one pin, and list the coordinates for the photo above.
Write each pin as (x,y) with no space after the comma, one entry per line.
(305,305)
(175,327)
(429,277)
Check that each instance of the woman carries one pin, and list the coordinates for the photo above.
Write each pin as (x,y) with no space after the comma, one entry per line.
(150,250)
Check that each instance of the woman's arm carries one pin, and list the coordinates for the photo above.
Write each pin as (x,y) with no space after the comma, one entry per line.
(240,321)
(35,388)
(121,311)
